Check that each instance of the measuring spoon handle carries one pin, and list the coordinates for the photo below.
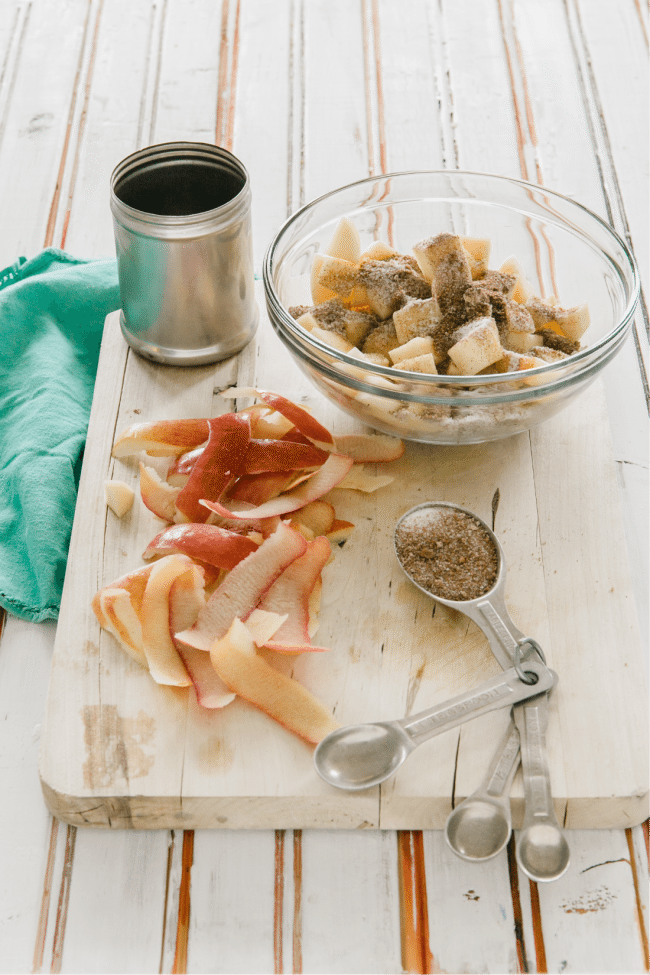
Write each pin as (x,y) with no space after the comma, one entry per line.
(502,691)
(499,776)
(531,719)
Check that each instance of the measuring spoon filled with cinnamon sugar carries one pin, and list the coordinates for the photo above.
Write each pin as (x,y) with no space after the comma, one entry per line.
(451,555)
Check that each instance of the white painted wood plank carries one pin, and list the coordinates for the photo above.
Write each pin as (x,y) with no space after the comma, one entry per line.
(41,82)
(588,918)
(356,889)
(25,654)
(117,106)
(268,110)
(232,915)
(478,898)
(118,881)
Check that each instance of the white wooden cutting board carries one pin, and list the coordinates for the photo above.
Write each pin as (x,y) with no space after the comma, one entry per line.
(120,751)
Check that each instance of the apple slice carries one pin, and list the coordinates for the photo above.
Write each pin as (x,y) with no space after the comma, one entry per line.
(207,543)
(165,664)
(301,419)
(358,479)
(237,662)
(317,516)
(119,497)
(328,476)
(314,607)
(269,424)
(289,595)
(157,495)
(364,448)
(218,465)
(340,531)
(135,583)
(243,587)
(121,620)
(186,598)
(161,438)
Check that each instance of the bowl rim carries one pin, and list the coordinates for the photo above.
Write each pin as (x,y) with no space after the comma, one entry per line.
(390,372)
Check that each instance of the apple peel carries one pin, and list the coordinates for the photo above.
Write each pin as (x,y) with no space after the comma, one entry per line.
(217,466)
(235,659)
(328,476)
(207,543)
(122,622)
(165,664)
(158,496)
(300,418)
(290,594)
(243,587)
(162,438)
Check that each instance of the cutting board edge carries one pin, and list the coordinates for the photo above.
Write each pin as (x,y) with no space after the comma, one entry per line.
(316,812)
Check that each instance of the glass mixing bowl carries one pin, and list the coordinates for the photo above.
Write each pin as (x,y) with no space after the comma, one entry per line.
(564,249)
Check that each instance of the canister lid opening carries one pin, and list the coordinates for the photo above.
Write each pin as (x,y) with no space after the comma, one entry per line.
(178,187)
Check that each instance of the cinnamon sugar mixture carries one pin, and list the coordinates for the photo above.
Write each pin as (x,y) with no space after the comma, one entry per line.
(448,553)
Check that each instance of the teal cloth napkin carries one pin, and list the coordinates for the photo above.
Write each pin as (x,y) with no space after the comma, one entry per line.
(52,311)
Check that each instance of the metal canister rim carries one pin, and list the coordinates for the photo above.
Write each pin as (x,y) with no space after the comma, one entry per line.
(187,225)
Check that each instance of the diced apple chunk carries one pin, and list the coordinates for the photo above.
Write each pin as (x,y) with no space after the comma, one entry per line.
(337,275)
(479,348)
(419,316)
(237,662)
(378,251)
(414,347)
(119,497)
(478,254)
(522,289)
(345,243)
(332,339)
(425,363)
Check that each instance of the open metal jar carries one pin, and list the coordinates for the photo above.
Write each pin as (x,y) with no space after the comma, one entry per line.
(181,214)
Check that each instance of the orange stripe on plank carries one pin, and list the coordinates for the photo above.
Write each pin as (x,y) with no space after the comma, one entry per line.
(278,902)
(64,897)
(414,915)
(183,925)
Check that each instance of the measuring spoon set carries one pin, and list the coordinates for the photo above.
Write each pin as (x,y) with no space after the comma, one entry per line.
(361,756)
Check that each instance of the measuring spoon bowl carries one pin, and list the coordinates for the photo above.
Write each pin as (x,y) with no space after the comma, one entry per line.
(542,851)
(360,756)
(480,826)
(488,610)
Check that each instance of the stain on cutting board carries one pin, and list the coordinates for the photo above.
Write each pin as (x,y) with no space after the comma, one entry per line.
(115,746)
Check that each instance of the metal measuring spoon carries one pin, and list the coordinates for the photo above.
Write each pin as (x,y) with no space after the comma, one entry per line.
(480,826)
(542,851)
(363,755)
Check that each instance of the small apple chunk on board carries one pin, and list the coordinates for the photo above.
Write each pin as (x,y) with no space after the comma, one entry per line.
(248,529)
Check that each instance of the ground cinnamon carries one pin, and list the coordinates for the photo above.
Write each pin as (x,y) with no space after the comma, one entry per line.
(448,553)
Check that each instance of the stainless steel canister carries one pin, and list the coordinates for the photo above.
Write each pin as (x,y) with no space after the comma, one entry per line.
(181,213)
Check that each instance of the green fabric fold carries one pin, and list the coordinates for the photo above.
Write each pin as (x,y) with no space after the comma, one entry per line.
(52,311)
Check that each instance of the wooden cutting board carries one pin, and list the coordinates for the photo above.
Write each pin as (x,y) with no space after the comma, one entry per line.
(120,751)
